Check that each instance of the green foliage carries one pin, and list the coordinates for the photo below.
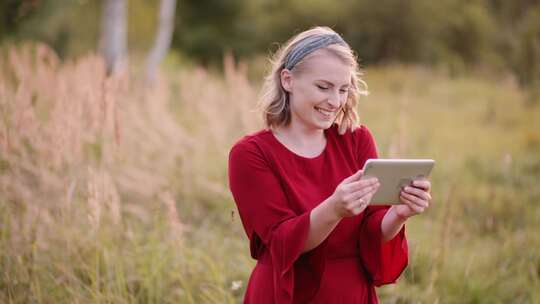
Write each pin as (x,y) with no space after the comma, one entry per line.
(13,13)
(458,34)
(204,29)
(71,27)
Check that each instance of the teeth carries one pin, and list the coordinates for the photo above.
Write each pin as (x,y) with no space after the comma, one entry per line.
(325,112)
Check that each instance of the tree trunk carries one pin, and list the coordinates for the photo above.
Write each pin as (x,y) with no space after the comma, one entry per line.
(163,38)
(113,34)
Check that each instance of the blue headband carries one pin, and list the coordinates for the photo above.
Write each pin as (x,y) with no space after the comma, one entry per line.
(310,45)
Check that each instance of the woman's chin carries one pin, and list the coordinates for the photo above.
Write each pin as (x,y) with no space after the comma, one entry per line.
(324,124)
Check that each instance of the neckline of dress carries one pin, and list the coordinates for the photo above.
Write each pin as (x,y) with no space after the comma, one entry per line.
(284,147)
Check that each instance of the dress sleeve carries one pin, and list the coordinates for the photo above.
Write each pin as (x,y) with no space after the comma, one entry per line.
(384,261)
(271,224)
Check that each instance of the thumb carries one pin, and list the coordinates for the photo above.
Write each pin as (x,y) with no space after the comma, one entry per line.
(355,177)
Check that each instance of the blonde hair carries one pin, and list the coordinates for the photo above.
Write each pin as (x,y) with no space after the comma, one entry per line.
(274,101)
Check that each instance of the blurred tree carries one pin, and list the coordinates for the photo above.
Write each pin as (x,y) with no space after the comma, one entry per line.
(163,38)
(518,38)
(69,27)
(113,34)
(470,32)
(527,57)
(13,13)
(205,28)
(392,30)
(460,34)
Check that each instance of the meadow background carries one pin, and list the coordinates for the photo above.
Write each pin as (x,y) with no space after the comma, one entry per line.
(114,190)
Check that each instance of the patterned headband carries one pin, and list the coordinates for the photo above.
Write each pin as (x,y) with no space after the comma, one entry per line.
(310,45)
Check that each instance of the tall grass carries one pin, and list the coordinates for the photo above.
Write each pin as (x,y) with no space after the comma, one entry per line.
(92,168)
(115,192)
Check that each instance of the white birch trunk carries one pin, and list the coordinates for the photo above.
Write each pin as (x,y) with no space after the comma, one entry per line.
(163,38)
(113,34)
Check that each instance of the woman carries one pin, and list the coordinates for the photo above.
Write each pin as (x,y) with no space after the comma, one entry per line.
(298,187)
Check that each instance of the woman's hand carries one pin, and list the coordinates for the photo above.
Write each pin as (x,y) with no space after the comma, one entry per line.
(350,198)
(353,194)
(415,199)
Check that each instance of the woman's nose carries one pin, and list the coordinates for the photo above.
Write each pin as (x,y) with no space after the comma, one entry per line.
(334,98)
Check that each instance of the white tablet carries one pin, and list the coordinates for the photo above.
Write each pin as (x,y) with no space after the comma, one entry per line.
(393,174)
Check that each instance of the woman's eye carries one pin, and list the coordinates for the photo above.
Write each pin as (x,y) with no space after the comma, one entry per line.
(343,91)
(322,87)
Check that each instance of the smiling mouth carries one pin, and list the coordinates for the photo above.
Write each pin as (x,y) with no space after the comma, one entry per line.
(325,112)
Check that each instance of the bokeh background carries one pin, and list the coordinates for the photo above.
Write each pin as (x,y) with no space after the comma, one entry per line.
(116,119)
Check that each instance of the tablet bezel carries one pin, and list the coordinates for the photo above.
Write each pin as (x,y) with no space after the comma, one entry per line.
(393,174)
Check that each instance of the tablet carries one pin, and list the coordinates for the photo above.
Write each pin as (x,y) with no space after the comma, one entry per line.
(393,174)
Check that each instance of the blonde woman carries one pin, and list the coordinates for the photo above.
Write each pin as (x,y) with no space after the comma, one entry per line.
(298,188)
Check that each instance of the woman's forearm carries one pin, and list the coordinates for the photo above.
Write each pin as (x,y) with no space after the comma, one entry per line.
(391,224)
(323,219)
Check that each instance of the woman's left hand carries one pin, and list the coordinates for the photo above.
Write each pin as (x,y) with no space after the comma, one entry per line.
(415,199)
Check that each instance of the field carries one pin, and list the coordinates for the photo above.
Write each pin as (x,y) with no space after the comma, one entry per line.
(115,192)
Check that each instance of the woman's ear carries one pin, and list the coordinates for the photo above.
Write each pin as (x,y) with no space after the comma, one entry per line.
(286,80)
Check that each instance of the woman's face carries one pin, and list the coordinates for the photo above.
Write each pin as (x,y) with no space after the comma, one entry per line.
(317,90)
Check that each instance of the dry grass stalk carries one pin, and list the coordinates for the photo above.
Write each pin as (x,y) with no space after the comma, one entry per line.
(176,227)
(61,123)
(439,255)
(398,145)
(94,200)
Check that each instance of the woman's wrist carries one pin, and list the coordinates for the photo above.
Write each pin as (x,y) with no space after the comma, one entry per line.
(399,215)
(323,219)
(330,205)
(392,223)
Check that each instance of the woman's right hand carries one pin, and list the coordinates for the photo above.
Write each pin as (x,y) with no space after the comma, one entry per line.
(353,194)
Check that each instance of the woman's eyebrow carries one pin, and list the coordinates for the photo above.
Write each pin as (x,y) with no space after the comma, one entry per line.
(332,84)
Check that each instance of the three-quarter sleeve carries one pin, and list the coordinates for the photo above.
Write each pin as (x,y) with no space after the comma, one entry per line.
(271,224)
(384,261)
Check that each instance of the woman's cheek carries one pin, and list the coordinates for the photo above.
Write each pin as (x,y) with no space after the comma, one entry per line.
(344,99)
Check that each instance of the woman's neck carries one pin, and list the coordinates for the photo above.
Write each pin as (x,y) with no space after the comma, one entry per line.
(300,139)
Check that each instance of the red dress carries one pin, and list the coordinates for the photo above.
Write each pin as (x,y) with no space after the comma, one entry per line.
(275,189)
